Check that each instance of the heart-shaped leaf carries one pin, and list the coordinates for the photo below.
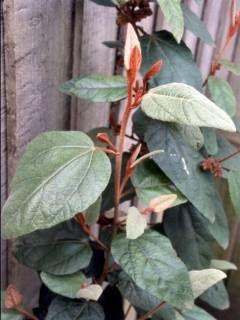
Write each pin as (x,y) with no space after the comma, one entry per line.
(136,223)
(154,266)
(63,249)
(203,279)
(66,286)
(180,103)
(97,88)
(178,64)
(60,174)
(222,94)
(173,13)
(66,309)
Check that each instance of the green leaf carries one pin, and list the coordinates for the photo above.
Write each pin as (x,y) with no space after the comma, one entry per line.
(60,174)
(63,249)
(188,231)
(192,135)
(154,266)
(66,309)
(136,223)
(223,265)
(97,88)
(173,13)
(217,296)
(114,44)
(230,66)
(193,23)
(93,212)
(233,178)
(181,164)
(67,286)
(178,64)
(180,103)
(196,313)
(203,279)
(222,94)
(210,140)
(7,314)
(150,182)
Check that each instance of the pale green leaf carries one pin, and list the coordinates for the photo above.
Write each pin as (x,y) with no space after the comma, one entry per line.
(222,94)
(60,174)
(92,292)
(180,103)
(60,250)
(66,309)
(136,223)
(150,182)
(210,140)
(154,266)
(201,280)
(223,265)
(230,66)
(97,88)
(192,135)
(193,23)
(67,286)
(92,213)
(233,178)
(173,13)
(178,64)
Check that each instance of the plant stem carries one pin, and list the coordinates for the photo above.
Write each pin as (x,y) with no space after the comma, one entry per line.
(127,312)
(152,311)
(230,156)
(25,313)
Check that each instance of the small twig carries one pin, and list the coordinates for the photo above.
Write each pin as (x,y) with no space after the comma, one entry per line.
(127,192)
(146,156)
(230,156)
(25,313)
(103,247)
(128,311)
(152,311)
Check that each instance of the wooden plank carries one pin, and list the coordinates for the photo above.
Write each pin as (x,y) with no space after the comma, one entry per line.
(98,25)
(38,37)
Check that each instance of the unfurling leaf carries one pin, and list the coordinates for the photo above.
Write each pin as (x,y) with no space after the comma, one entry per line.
(66,286)
(162,202)
(91,292)
(12,298)
(136,223)
(203,279)
(222,94)
(230,66)
(60,174)
(130,43)
(173,13)
(223,265)
(97,88)
(154,266)
(234,187)
(178,102)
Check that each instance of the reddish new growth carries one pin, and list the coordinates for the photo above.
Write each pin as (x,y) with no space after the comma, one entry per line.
(212,165)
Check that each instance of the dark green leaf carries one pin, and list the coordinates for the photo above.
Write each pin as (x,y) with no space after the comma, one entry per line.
(188,232)
(63,249)
(178,64)
(217,296)
(114,44)
(196,313)
(154,266)
(66,309)
(173,13)
(181,164)
(150,182)
(193,23)
(97,88)
(210,140)
(60,174)
(222,94)
(234,189)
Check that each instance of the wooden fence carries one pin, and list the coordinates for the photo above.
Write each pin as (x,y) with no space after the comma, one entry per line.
(46,42)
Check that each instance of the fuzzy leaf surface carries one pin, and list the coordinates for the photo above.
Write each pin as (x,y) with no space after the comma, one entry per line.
(62,249)
(150,182)
(66,309)
(210,140)
(154,266)
(222,94)
(193,23)
(97,88)
(60,174)
(173,13)
(178,64)
(181,103)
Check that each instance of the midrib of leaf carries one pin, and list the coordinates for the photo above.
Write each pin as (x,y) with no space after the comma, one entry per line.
(53,175)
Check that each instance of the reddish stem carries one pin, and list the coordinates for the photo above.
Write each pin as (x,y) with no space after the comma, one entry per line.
(25,313)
